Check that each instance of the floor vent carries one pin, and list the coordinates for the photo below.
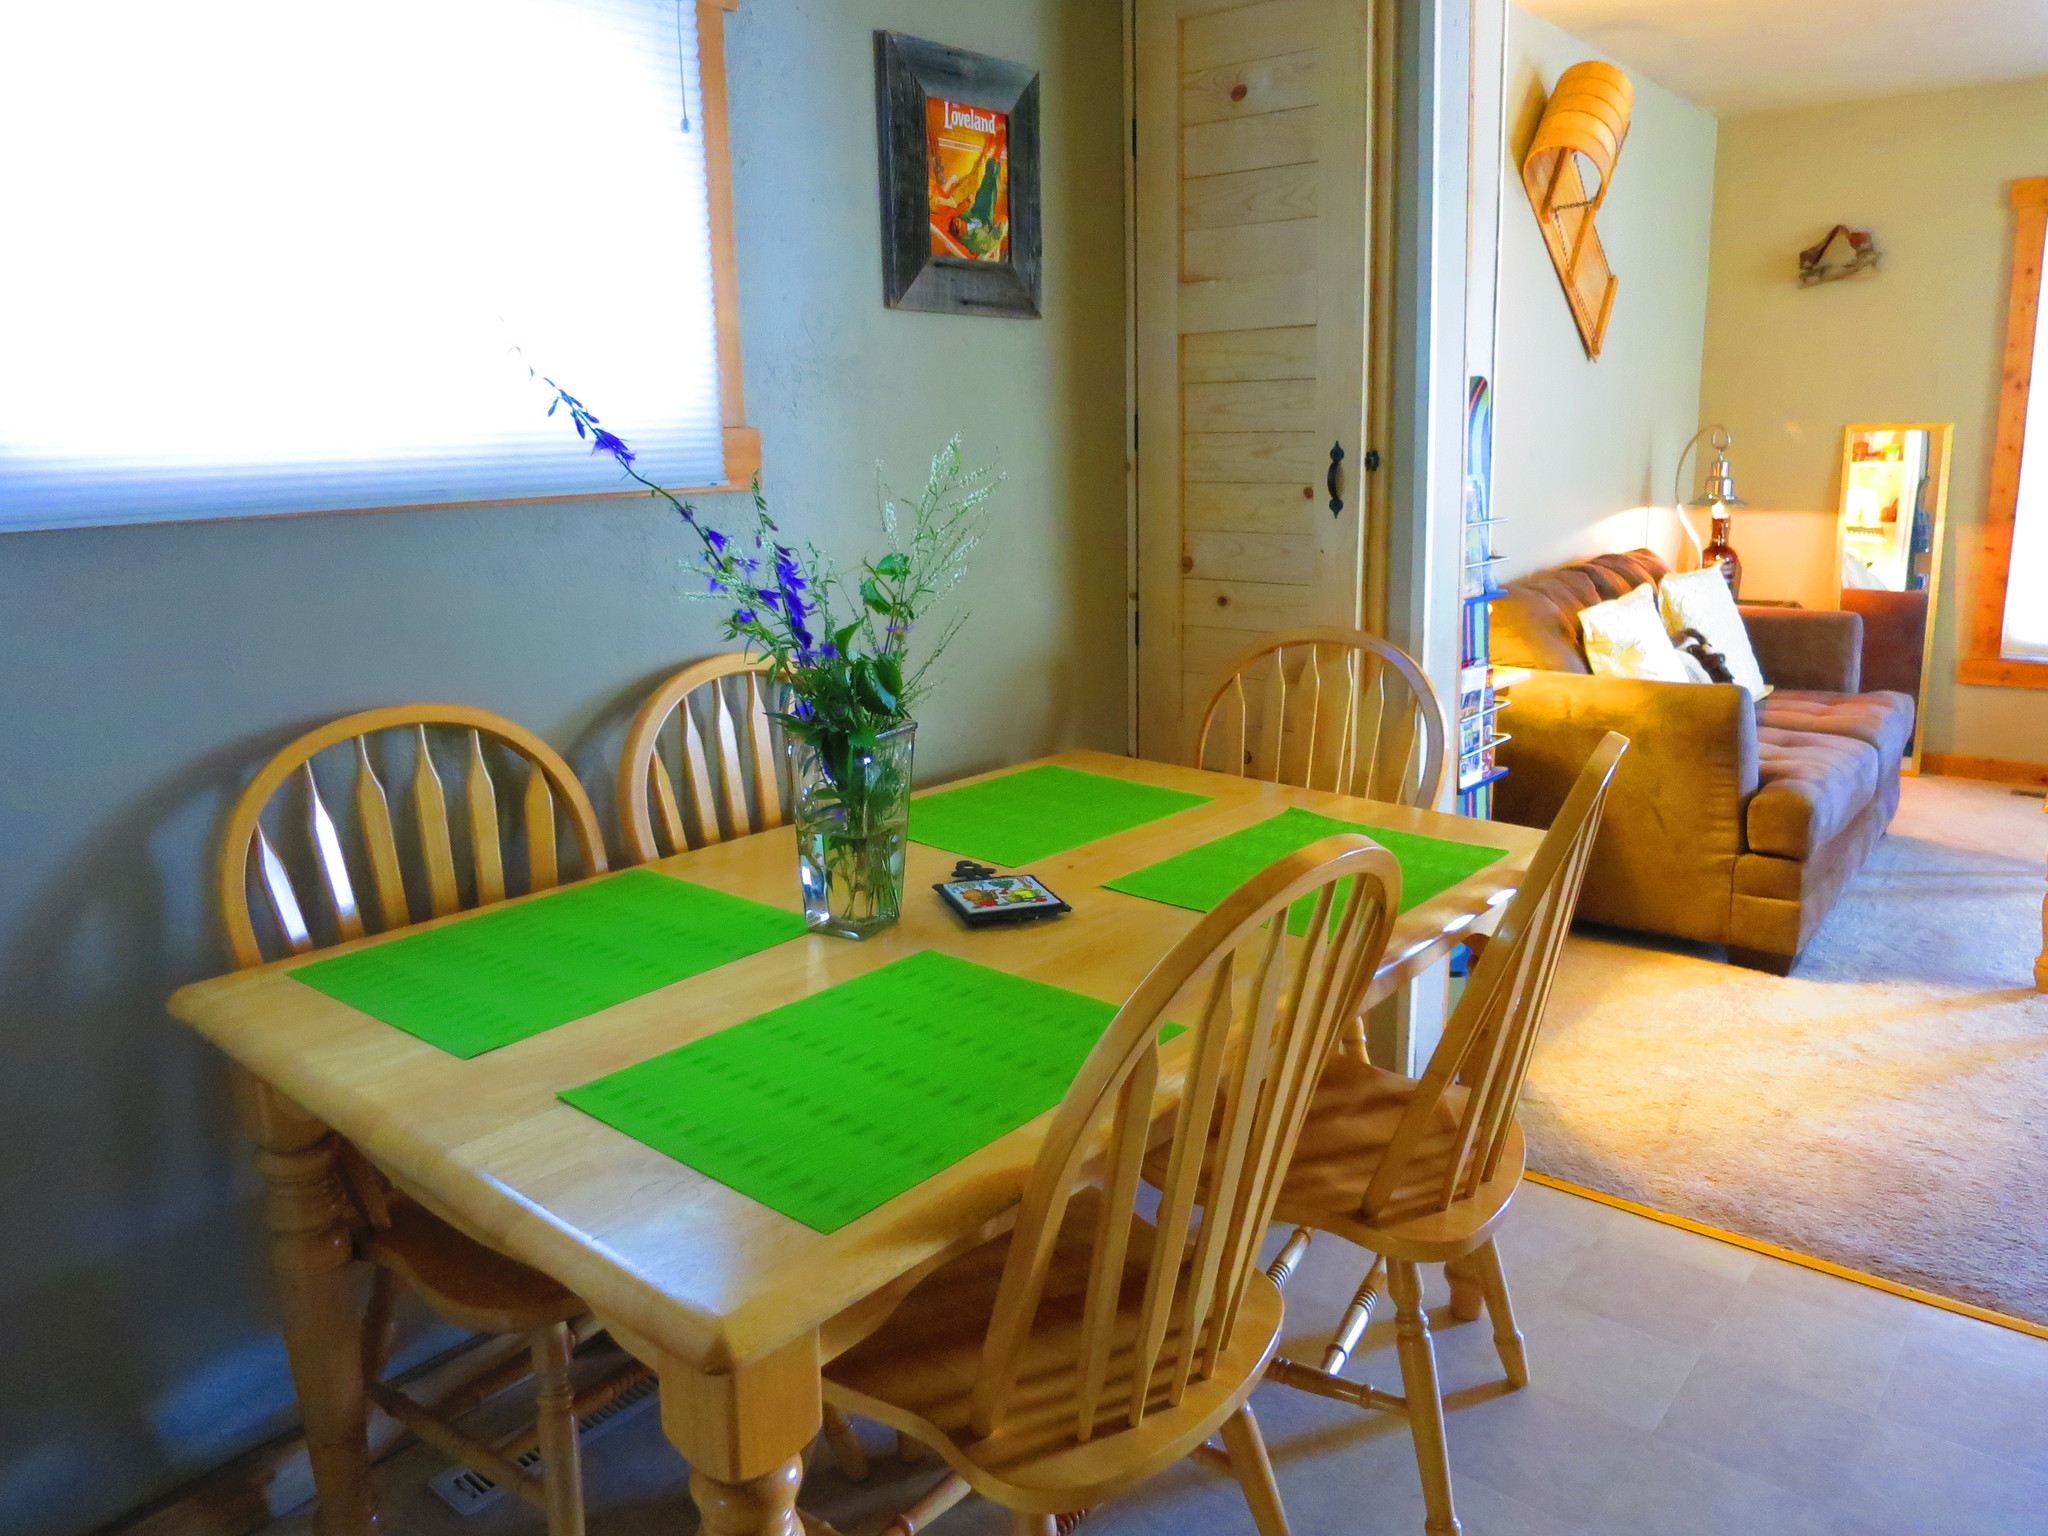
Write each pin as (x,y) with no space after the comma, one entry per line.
(466,1491)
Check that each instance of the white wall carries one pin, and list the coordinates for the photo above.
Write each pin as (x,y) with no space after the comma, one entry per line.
(1787,368)
(1578,442)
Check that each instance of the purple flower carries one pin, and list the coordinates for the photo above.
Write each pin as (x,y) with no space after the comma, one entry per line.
(602,441)
(789,587)
(743,616)
(716,540)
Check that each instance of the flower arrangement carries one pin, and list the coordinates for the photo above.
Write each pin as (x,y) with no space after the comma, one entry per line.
(842,646)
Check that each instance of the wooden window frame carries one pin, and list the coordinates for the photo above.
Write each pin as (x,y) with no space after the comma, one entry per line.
(742,442)
(1984,665)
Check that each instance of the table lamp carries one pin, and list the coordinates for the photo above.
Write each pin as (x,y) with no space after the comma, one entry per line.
(1718,497)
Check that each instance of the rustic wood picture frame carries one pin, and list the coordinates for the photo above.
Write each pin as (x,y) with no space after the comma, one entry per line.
(908,70)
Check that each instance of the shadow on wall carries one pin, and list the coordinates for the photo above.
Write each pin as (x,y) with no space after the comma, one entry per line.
(161,1218)
(165,1220)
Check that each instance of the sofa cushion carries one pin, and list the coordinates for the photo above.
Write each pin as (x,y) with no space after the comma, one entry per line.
(1536,624)
(1883,720)
(1811,785)
(1531,629)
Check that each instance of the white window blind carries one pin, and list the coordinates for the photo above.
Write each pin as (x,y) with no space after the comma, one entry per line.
(2026,590)
(266,256)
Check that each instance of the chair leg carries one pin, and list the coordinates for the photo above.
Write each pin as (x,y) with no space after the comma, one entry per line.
(561,1457)
(1357,1318)
(942,1497)
(378,1318)
(1253,1469)
(1507,1338)
(1289,1258)
(847,1450)
(1425,1405)
(1468,1290)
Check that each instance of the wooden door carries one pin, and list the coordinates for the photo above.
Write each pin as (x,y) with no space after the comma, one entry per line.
(1252,265)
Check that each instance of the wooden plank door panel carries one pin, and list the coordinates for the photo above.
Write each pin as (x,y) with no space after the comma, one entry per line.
(1252,258)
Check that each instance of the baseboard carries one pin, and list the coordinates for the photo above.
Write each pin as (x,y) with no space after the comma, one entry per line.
(275,1478)
(1790,1256)
(1996,769)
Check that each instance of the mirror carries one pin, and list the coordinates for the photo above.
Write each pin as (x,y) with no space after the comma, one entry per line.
(1889,539)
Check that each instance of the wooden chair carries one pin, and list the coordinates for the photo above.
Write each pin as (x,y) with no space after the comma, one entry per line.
(1324,708)
(1421,1171)
(1089,1349)
(698,718)
(294,877)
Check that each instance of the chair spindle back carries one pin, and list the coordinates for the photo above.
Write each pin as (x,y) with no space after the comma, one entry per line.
(1326,708)
(1260,1034)
(285,841)
(1486,1047)
(698,720)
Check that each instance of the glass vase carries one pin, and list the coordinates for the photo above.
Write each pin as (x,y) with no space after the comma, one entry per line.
(852,808)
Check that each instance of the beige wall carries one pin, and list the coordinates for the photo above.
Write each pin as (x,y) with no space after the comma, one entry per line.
(1576,442)
(1787,368)
(150,669)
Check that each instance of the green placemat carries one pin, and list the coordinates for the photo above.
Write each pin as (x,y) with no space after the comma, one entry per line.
(827,1107)
(501,976)
(1202,877)
(1022,817)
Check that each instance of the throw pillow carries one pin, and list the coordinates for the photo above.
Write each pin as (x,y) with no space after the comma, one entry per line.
(1625,637)
(1701,600)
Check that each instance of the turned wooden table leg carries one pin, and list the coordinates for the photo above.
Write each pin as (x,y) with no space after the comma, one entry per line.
(311,1252)
(744,1433)
(759,1506)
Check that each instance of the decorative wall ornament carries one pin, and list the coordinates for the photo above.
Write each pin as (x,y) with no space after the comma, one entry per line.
(1842,252)
(959,152)
(1567,173)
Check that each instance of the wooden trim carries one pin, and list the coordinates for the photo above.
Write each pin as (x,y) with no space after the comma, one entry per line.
(2030,232)
(2002,672)
(1791,1256)
(742,442)
(1129,138)
(1382,276)
(1997,770)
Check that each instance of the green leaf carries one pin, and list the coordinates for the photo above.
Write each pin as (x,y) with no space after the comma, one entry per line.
(894,564)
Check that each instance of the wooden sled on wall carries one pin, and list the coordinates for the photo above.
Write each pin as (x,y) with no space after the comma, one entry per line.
(1580,135)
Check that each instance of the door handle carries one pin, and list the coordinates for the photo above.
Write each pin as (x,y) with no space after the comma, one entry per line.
(1335,484)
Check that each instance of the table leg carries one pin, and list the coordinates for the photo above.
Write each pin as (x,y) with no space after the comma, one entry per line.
(311,1251)
(744,1432)
(763,1505)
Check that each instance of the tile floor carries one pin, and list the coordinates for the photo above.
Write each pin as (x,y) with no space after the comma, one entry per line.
(1681,1387)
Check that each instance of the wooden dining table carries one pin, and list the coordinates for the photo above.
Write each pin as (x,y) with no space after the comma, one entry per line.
(733,1304)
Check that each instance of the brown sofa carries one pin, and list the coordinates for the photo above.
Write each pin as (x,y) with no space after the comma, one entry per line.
(1730,822)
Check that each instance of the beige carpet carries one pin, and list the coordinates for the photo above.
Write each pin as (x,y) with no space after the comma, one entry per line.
(1885,1107)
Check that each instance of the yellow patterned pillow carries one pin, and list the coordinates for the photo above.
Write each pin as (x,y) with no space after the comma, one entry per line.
(1625,637)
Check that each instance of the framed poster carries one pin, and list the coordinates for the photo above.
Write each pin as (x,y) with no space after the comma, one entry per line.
(959,179)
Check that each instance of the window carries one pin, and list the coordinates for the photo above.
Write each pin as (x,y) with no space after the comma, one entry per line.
(2009,641)
(268,258)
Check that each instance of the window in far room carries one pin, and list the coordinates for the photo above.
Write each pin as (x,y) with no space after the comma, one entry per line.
(273,258)
(2009,642)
